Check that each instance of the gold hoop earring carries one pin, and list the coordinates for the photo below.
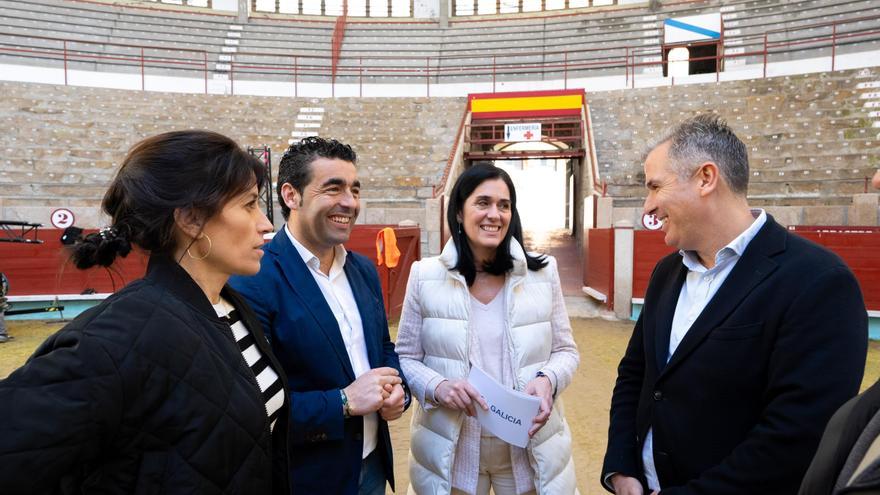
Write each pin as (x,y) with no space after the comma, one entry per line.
(210,246)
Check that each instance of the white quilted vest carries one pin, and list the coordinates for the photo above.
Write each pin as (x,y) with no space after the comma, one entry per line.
(445,307)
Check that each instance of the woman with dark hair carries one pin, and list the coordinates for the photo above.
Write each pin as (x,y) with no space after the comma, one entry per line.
(169,385)
(486,302)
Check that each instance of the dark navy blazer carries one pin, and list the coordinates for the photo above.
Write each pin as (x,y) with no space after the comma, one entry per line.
(325,448)
(740,405)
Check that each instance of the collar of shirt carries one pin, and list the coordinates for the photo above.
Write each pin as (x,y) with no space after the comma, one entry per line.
(733,250)
(313,262)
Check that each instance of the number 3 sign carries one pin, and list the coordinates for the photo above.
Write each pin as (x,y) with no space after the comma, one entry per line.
(62,218)
(650,222)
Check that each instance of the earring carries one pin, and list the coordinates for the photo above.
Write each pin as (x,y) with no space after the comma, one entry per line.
(210,246)
(459,228)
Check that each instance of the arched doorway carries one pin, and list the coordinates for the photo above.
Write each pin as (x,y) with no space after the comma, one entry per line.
(550,179)
(541,139)
(679,62)
(543,186)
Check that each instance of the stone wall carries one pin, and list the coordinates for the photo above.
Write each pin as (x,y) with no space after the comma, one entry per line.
(63,144)
(812,140)
(403,145)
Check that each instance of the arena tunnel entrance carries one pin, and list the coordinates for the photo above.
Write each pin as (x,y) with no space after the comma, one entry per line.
(543,185)
(545,193)
(539,138)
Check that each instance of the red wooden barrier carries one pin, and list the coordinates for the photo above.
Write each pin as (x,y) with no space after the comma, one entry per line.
(860,249)
(37,269)
(44,269)
(858,246)
(363,241)
(599,262)
(648,249)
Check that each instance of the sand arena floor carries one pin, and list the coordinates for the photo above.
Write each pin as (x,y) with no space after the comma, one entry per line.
(586,401)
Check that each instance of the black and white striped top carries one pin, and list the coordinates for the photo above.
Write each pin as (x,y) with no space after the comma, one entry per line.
(267,378)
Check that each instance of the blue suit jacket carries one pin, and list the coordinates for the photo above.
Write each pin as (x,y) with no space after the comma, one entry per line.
(325,448)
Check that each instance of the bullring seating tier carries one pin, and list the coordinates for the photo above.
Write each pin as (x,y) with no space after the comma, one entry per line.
(63,144)
(811,138)
(469,44)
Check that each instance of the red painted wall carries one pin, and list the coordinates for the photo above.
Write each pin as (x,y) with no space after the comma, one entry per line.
(45,268)
(599,262)
(860,249)
(648,249)
(36,269)
(363,241)
(858,246)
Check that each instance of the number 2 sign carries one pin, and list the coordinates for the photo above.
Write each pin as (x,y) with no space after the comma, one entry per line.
(62,218)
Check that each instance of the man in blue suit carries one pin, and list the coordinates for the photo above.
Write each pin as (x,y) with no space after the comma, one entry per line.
(322,309)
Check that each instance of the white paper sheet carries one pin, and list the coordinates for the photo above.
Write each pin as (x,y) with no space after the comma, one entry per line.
(510,412)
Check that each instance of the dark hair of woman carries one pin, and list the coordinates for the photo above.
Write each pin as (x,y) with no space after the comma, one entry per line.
(464,186)
(189,170)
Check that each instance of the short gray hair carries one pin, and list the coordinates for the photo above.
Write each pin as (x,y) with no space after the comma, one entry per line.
(708,138)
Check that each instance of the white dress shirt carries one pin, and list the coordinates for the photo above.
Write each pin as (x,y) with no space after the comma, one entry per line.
(698,289)
(337,292)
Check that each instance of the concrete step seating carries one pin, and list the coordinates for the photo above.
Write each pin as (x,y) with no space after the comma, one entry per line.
(472,41)
(65,143)
(808,136)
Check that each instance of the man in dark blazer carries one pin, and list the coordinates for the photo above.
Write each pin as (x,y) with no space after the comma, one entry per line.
(749,338)
(323,312)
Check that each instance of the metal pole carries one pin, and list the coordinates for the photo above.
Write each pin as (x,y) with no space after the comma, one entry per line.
(232,76)
(633,78)
(833,44)
(428,75)
(205,67)
(295,76)
(626,65)
(493,73)
(719,52)
(361,77)
(65,62)
(142,69)
(765,55)
(442,220)
(565,68)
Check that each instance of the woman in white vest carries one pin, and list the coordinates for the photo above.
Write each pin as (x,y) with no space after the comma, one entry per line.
(486,302)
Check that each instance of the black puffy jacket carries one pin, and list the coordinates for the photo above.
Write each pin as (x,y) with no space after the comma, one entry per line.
(146,393)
